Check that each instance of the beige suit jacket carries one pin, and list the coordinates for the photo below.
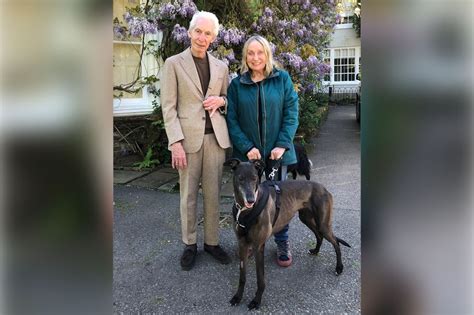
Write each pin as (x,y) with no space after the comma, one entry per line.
(181,101)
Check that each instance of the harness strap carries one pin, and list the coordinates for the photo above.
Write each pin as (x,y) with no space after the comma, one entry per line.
(277,202)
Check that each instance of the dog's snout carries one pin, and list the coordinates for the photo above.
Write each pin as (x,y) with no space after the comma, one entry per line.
(249,200)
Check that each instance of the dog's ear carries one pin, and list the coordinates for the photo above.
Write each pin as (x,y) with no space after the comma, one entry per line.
(233,163)
(260,165)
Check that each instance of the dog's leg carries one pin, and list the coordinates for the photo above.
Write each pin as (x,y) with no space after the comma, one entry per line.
(327,233)
(293,172)
(243,255)
(259,257)
(307,218)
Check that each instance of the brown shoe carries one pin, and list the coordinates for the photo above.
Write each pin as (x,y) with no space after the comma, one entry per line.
(218,253)
(189,257)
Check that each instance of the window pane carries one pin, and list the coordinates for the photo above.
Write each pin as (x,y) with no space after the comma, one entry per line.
(337,77)
(125,66)
(344,77)
(351,77)
(337,61)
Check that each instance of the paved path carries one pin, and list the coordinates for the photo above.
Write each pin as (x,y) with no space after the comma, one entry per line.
(147,246)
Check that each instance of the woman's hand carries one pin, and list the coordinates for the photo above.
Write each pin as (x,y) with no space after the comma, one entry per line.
(254,154)
(277,153)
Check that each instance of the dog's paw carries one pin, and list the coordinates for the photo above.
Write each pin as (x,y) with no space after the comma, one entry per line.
(313,251)
(339,269)
(235,300)
(254,305)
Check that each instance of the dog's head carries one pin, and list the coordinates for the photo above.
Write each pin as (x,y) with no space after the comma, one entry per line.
(246,180)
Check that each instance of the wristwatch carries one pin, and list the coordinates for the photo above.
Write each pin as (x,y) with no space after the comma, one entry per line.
(223,109)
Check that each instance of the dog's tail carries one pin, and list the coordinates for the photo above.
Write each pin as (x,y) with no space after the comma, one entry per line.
(340,241)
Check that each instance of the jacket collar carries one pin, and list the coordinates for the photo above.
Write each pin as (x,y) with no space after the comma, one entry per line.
(246,79)
(191,71)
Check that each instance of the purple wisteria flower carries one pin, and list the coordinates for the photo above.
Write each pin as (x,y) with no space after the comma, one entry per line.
(312,62)
(267,12)
(119,32)
(292,60)
(180,34)
(231,57)
(187,9)
(140,26)
(231,36)
(167,11)
(127,17)
(182,8)
(305,5)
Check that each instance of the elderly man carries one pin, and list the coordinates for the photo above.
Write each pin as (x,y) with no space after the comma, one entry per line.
(193,100)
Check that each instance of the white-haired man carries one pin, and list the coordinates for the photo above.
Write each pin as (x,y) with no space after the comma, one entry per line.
(193,101)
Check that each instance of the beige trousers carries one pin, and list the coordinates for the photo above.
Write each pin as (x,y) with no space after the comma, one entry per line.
(204,166)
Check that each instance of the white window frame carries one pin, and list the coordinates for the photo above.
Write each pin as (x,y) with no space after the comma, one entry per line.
(140,105)
(356,66)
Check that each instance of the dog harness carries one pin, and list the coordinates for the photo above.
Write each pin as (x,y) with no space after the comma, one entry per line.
(277,199)
(246,222)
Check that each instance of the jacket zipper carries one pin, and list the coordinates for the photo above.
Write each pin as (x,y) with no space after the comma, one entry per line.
(258,117)
(264,121)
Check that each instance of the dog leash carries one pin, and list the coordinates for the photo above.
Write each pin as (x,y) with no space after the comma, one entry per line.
(272,174)
(275,168)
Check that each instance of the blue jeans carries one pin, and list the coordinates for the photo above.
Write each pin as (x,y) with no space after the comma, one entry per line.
(282,173)
(283,234)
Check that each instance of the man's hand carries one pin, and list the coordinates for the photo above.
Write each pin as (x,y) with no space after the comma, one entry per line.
(178,156)
(254,154)
(212,103)
(277,153)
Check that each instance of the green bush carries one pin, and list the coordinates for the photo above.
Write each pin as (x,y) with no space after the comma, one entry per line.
(313,111)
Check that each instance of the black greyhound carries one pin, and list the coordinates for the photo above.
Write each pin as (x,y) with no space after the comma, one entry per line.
(260,210)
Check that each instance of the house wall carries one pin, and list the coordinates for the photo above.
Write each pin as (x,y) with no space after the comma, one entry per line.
(344,37)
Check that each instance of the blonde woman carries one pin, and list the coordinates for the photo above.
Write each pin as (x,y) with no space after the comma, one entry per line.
(262,118)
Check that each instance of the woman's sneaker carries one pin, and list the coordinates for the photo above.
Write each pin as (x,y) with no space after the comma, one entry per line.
(283,253)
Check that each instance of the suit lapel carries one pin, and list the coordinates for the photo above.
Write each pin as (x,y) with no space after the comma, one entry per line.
(187,62)
(213,73)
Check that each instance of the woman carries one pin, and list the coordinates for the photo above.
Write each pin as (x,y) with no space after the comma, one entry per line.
(262,118)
